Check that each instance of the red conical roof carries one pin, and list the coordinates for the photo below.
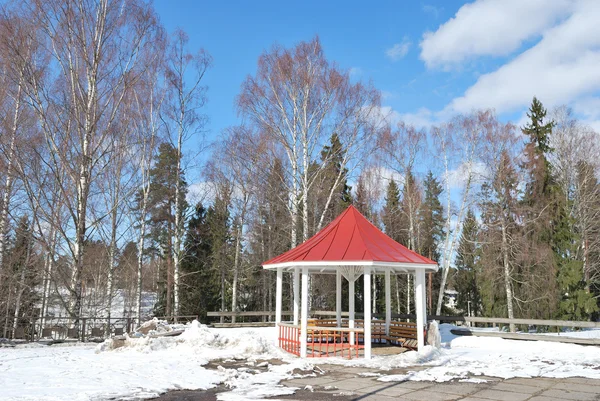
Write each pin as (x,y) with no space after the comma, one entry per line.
(350,238)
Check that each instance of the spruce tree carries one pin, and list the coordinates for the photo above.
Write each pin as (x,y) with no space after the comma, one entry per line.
(466,277)
(431,231)
(332,157)
(218,220)
(541,214)
(391,211)
(200,283)
(432,219)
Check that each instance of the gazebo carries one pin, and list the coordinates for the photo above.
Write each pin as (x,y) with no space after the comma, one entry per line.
(350,246)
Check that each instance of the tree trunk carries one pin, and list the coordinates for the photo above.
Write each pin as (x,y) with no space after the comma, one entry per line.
(112,260)
(222,294)
(140,260)
(236,263)
(507,277)
(9,177)
(178,238)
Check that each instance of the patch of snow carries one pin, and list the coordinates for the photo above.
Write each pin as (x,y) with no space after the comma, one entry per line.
(145,367)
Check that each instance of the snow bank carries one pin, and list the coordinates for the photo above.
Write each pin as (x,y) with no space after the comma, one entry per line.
(253,366)
(200,339)
(463,357)
(145,367)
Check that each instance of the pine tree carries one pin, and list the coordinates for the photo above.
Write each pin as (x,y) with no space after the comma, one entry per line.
(161,204)
(466,279)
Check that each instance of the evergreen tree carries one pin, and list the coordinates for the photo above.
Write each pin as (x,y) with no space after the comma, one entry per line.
(432,219)
(410,204)
(466,279)
(218,220)
(391,211)
(332,157)
(361,199)
(539,258)
(25,274)
(431,231)
(200,282)
(161,202)
(587,212)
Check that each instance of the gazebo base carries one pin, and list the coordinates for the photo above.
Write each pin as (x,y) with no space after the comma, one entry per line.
(345,342)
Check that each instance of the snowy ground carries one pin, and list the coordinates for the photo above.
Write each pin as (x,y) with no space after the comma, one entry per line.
(147,367)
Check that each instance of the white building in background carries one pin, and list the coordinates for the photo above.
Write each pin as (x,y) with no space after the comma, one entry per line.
(450,297)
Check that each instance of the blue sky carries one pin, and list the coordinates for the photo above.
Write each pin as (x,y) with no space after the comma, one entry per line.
(430,59)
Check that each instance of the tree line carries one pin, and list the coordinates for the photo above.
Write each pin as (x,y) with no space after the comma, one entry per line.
(110,192)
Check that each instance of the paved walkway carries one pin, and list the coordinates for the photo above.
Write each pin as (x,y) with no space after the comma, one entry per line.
(342,383)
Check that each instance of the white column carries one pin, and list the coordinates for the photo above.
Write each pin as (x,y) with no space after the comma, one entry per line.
(424,292)
(296,293)
(367,325)
(388,302)
(338,297)
(278,295)
(351,306)
(304,314)
(420,306)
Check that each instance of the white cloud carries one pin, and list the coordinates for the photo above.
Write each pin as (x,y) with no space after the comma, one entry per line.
(203,191)
(399,50)
(422,118)
(457,177)
(589,107)
(560,68)
(377,179)
(431,9)
(489,27)
(355,71)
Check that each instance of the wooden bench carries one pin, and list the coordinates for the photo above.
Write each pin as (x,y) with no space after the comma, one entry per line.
(403,334)
(321,335)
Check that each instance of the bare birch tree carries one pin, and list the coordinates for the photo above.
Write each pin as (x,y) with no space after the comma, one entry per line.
(299,99)
(183,120)
(457,148)
(93,48)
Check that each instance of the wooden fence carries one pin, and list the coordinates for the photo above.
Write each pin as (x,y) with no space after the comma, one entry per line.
(539,325)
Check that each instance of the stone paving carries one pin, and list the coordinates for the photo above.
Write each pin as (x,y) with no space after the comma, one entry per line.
(342,383)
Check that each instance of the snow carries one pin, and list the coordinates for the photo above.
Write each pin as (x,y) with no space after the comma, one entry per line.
(146,367)
(253,366)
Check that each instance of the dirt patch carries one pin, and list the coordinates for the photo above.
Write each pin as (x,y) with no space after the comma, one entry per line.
(191,395)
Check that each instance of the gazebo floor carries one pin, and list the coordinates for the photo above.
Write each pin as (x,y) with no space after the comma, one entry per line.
(376,349)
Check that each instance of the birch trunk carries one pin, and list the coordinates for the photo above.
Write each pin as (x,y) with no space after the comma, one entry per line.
(222,319)
(451,240)
(507,276)
(178,238)
(112,259)
(140,261)
(238,250)
(8,184)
